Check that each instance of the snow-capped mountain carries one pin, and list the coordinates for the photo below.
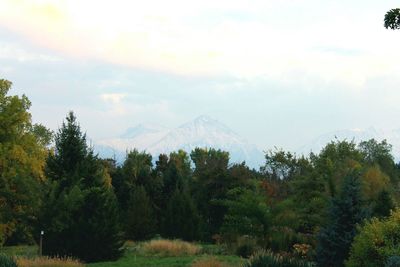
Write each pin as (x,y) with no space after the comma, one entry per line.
(356,135)
(203,132)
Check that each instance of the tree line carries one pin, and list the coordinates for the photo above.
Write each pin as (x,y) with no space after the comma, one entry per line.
(310,206)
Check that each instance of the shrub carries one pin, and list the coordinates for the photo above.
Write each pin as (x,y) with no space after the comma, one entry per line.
(6,261)
(221,249)
(48,262)
(209,262)
(377,241)
(246,246)
(393,261)
(268,259)
(283,238)
(170,247)
(302,250)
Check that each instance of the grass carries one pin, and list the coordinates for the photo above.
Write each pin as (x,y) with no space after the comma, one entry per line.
(20,251)
(132,260)
(150,254)
(170,253)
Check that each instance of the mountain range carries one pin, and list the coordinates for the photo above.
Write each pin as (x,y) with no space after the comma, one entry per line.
(204,132)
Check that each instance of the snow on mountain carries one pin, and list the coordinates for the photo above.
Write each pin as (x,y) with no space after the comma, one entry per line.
(202,132)
(140,137)
(356,135)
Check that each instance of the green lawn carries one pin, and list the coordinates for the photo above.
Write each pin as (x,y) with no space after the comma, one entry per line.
(133,258)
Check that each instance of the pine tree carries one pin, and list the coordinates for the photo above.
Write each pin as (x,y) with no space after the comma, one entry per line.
(80,214)
(99,225)
(345,213)
(181,219)
(140,221)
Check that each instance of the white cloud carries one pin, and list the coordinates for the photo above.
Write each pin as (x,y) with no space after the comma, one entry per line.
(275,40)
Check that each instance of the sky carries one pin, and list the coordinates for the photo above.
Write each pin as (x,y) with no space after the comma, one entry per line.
(279,73)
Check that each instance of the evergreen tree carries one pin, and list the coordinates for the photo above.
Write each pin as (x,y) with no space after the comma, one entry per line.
(181,219)
(345,213)
(80,214)
(140,222)
(383,205)
(99,226)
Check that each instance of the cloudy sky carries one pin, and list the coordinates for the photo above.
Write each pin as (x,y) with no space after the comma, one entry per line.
(277,72)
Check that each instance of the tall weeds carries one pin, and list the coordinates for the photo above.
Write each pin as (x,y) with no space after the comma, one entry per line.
(170,248)
(48,262)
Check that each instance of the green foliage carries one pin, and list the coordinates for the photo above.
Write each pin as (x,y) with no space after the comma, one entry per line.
(246,246)
(392,19)
(6,261)
(210,182)
(280,165)
(22,158)
(80,214)
(383,205)
(99,226)
(345,213)
(140,223)
(181,218)
(337,160)
(247,214)
(268,259)
(377,241)
(176,175)
(378,157)
(307,202)
(135,174)
(393,261)
(283,238)
(377,153)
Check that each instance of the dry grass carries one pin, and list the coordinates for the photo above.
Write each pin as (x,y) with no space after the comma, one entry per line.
(48,262)
(209,262)
(170,247)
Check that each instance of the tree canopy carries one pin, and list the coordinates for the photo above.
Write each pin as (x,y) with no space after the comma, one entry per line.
(392,19)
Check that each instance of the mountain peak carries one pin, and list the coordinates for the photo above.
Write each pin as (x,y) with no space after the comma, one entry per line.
(205,123)
(203,131)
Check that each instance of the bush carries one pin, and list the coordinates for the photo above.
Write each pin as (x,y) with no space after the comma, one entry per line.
(170,247)
(377,242)
(283,238)
(246,247)
(6,261)
(268,259)
(393,261)
(48,262)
